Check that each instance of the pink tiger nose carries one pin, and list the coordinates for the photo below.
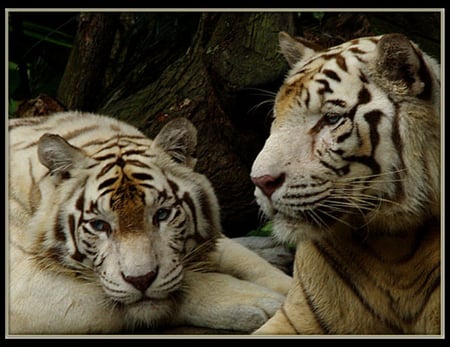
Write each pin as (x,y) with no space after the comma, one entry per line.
(141,282)
(268,184)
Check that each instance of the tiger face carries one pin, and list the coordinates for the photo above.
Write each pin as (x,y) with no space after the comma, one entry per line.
(127,218)
(350,127)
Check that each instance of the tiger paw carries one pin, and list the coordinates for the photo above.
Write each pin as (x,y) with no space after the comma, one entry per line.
(221,301)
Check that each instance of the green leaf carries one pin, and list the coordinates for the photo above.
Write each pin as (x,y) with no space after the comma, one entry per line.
(318,15)
(13,76)
(265,230)
(47,34)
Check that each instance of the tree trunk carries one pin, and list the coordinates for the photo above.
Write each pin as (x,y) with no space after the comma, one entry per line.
(85,70)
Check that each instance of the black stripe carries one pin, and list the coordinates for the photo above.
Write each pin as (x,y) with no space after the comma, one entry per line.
(308,97)
(365,160)
(398,143)
(96,258)
(120,162)
(59,228)
(132,137)
(340,270)
(331,74)
(344,136)
(170,279)
(71,222)
(105,169)
(373,118)
(303,196)
(142,176)
(21,122)
(77,256)
(74,133)
(93,165)
(107,183)
(338,171)
(173,186)
(146,185)
(283,310)
(356,50)
(207,209)
(95,142)
(363,78)
(188,200)
(87,244)
(337,102)
(326,86)
(106,192)
(340,60)
(79,204)
(137,163)
(313,308)
(364,96)
(134,152)
(105,156)
(176,248)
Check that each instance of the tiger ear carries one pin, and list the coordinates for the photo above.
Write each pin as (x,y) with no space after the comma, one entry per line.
(178,138)
(295,49)
(58,155)
(399,62)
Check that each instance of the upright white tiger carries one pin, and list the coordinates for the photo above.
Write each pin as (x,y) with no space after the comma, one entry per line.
(110,231)
(351,174)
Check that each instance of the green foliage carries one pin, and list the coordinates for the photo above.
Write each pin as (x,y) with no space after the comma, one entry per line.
(265,230)
(37,54)
(47,34)
(318,16)
(14,83)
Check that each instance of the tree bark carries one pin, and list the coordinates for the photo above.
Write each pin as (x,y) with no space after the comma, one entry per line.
(85,70)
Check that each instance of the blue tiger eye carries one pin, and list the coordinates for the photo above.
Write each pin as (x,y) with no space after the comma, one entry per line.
(100,225)
(333,118)
(162,214)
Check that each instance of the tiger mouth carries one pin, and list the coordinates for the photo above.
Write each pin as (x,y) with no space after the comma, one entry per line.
(312,217)
(143,301)
(313,214)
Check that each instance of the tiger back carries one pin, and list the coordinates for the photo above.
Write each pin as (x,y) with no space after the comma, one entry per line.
(110,231)
(351,174)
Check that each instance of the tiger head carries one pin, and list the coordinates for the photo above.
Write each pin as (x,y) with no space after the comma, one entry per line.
(131,214)
(355,140)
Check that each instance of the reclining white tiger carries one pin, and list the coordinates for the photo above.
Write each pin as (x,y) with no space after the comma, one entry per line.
(111,231)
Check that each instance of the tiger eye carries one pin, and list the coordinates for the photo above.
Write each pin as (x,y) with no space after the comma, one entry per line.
(162,214)
(100,225)
(332,118)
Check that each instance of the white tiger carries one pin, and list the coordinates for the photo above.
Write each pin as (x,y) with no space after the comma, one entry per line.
(110,231)
(351,174)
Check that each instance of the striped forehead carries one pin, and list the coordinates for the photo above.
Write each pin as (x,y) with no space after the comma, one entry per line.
(318,71)
(131,180)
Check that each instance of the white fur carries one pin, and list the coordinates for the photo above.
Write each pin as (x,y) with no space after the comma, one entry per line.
(44,298)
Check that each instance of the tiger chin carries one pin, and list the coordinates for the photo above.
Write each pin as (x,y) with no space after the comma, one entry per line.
(110,231)
(350,174)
